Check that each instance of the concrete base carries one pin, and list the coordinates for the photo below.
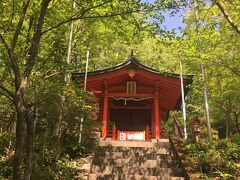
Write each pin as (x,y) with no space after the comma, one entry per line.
(159,140)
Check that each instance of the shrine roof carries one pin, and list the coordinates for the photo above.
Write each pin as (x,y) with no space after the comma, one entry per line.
(134,61)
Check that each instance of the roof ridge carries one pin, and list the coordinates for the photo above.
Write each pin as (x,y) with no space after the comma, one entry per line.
(135,61)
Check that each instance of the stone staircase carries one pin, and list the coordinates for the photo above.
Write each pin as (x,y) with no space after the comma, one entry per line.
(135,160)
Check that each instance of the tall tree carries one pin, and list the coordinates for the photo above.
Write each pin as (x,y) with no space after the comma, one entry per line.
(219,54)
(21,78)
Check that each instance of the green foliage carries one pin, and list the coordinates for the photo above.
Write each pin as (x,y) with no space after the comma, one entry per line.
(6,152)
(217,159)
(75,150)
(51,164)
(6,141)
(56,139)
(217,47)
(236,139)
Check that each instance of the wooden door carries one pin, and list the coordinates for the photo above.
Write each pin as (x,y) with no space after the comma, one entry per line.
(131,119)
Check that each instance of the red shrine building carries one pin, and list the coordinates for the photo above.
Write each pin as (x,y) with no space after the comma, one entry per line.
(134,99)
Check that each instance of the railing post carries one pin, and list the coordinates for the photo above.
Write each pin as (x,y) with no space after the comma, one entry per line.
(114,133)
(118,135)
(157,116)
(147,134)
(105,117)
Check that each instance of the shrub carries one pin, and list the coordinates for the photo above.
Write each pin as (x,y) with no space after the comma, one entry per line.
(217,159)
(51,162)
(6,153)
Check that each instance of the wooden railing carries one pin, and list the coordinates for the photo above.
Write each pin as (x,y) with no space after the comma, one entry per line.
(177,129)
(149,134)
(112,133)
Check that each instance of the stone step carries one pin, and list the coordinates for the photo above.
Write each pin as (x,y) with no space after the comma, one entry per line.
(155,163)
(131,149)
(165,172)
(144,144)
(131,170)
(141,163)
(130,177)
(99,160)
(177,178)
(130,153)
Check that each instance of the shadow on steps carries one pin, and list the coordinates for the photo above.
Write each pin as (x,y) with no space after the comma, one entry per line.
(139,160)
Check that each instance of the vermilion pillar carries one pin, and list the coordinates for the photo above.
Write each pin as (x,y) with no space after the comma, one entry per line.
(156,110)
(153,116)
(105,116)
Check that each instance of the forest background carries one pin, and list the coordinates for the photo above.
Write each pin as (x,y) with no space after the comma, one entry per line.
(40,113)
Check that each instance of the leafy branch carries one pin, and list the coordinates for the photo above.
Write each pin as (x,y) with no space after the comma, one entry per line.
(98,16)
(227,16)
(10,95)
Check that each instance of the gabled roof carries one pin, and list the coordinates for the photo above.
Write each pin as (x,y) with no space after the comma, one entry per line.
(131,60)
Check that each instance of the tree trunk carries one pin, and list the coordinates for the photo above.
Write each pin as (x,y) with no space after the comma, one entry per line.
(227,128)
(237,123)
(29,146)
(19,147)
